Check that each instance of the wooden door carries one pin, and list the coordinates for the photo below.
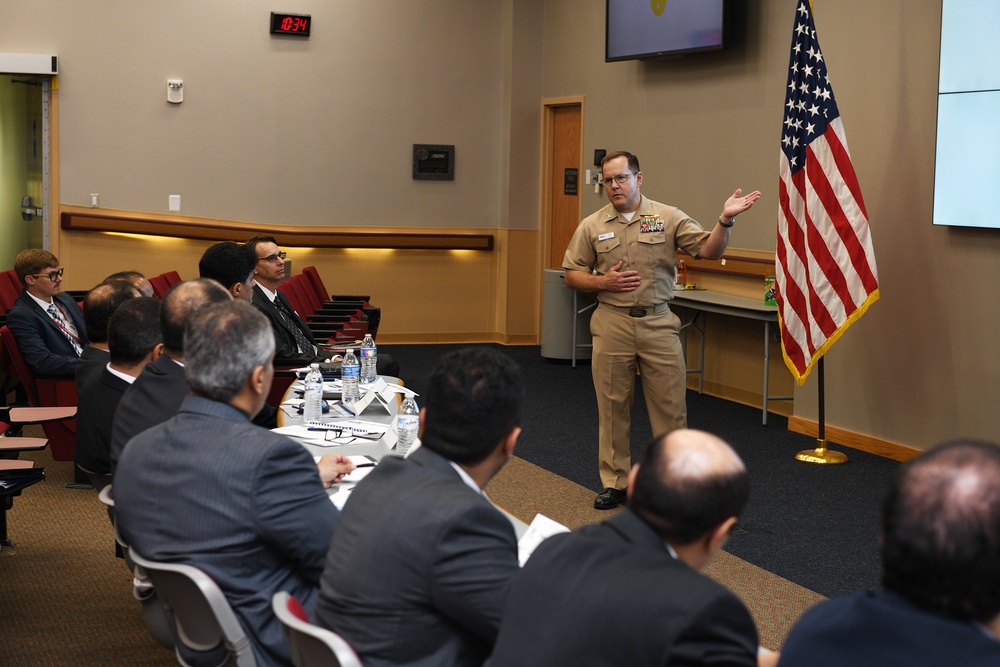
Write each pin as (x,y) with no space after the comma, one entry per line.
(564,209)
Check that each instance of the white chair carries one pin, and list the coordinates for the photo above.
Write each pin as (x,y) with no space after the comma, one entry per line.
(203,619)
(158,621)
(310,645)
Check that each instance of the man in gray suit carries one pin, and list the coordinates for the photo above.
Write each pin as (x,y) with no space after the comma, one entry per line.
(419,570)
(208,488)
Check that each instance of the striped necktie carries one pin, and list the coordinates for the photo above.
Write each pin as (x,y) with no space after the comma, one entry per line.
(67,329)
(292,322)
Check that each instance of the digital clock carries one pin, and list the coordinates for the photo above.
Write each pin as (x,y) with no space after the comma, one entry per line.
(290,24)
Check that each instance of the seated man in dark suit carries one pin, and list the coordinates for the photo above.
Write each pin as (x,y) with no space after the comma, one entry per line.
(629,591)
(421,563)
(231,266)
(134,340)
(295,342)
(941,572)
(98,307)
(47,325)
(158,392)
(208,488)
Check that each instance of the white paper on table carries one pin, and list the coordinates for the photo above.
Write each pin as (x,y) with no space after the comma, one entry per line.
(346,485)
(358,473)
(358,427)
(339,499)
(302,432)
(337,410)
(400,389)
(541,528)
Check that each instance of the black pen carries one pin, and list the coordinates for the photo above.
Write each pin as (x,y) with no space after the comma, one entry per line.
(365,465)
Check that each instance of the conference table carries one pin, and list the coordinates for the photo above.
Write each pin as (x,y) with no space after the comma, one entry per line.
(364,448)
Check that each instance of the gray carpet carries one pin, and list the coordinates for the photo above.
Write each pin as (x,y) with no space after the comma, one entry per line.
(814,525)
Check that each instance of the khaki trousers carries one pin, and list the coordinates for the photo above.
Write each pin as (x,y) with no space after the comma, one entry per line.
(623,344)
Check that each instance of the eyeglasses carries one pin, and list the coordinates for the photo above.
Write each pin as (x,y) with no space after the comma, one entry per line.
(51,275)
(271,259)
(620,179)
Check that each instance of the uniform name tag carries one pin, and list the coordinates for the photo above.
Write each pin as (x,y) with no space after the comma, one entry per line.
(605,237)
(650,223)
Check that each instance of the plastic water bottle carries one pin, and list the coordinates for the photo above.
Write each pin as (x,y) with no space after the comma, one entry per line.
(312,406)
(369,356)
(407,424)
(350,374)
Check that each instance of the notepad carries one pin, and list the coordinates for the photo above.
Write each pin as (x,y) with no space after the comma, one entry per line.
(541,528)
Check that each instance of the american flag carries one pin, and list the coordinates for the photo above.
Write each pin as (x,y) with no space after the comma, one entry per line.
(826,275)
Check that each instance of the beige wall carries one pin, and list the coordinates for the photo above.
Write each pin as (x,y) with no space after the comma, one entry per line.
(319,132)
(273,129)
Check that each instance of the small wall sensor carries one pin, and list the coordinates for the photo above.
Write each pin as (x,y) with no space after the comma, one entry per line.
(175,91)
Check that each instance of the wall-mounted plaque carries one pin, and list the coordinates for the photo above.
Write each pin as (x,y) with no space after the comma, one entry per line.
(569,181)
(434,162)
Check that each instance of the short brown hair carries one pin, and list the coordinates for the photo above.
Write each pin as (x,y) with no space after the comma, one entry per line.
(33,260)
(633,161)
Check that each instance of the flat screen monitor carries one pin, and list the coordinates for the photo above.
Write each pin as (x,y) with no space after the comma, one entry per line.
(646,29)
(967,152)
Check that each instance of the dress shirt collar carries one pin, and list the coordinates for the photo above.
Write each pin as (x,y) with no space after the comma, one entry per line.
(465,478)
(271,296)
(44,305)
(125,376)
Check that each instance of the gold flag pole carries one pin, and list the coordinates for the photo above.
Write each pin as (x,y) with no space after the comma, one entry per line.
(821,454)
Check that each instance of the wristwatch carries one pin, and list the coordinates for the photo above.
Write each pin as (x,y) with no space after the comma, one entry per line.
(725,224)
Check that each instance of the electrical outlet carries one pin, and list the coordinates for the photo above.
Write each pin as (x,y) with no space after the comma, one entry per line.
(94,201)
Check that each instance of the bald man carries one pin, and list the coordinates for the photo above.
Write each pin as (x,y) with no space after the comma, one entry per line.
(629,591)
(941,573)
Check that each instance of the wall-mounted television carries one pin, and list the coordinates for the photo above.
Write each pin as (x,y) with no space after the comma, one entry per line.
(967,154)
(647,29)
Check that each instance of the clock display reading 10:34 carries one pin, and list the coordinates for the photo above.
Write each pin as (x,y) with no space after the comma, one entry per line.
(290,24)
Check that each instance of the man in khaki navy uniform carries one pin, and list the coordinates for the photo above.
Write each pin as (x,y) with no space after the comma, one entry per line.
(626,252)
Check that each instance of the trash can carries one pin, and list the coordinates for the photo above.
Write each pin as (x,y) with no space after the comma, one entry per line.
(558,316)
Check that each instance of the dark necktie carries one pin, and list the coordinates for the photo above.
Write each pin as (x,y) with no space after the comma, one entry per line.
(292,322)
(60,320)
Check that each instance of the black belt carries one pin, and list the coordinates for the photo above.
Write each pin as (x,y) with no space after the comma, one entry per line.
(640,311)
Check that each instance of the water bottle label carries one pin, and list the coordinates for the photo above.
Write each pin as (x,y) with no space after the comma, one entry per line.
(351,371)
(369,352)
(409,421)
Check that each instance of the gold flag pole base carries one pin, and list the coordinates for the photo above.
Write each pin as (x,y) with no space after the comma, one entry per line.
(821,454)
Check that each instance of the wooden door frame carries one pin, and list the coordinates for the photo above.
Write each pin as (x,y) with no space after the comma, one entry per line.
(545,169)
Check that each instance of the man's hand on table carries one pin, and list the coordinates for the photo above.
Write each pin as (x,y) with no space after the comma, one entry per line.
(333,468)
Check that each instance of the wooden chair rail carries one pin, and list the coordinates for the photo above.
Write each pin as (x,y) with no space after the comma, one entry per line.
(222,231)
(733,264)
